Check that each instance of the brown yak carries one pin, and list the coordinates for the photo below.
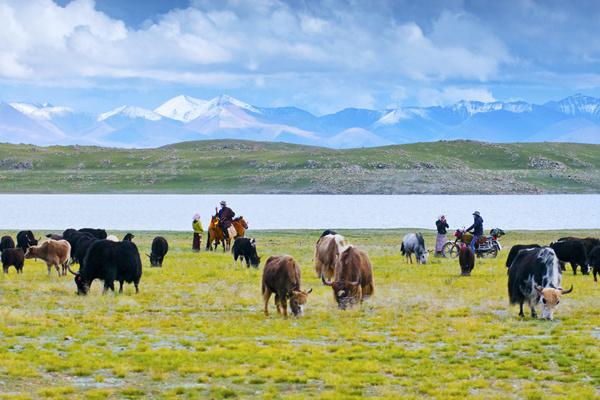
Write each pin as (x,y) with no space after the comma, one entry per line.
(54,252)
(353,278)
(466,260)
(281,276)
(327,251)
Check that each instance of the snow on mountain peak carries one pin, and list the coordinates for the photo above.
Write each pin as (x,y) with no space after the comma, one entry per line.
(577,105)
(476,107)
(44,111)
(132,112)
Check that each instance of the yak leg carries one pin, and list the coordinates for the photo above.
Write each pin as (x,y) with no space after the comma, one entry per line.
(121,287)
(247,262)
(5,270)
(278,303)
(235,257)
(266,296)
(574,266)
(284,305)
(533,313)
(49,268)
(521,313)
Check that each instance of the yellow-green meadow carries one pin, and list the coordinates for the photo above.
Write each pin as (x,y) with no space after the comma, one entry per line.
(197,330)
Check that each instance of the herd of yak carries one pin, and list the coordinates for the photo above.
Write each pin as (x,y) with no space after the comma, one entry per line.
(99,256)
(534,271)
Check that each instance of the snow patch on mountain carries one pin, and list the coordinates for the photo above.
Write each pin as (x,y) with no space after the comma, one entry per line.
(131,112)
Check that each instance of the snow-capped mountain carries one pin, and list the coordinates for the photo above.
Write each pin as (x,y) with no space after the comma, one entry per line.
(184,118)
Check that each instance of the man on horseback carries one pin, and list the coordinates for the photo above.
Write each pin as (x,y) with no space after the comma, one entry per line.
(225,215)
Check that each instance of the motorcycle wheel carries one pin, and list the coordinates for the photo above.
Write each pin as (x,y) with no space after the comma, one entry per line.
(450,250)
(490,253)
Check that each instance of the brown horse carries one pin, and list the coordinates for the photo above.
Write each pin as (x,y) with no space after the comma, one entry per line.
(215,234)
(240,226)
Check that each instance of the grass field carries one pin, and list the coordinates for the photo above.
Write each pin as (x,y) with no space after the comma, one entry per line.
(197,330)
(237,166)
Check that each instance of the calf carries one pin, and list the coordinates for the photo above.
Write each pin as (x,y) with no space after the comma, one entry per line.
(160,247)
(12,257)
(328,249)
(573,252)
(353,278)
(414,244)
(595,261)
(535,276)
(466,260)
(25,239)
(6,242)
(245,249)
(282,276)
(515,249)
(53,252)
(110,262)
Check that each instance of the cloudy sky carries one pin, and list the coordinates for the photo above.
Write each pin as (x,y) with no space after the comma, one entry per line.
(321,56)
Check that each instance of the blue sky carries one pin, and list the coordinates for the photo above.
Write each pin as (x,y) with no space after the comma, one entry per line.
(322,56)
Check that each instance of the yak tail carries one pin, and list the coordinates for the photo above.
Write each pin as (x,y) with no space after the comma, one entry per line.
(402,249)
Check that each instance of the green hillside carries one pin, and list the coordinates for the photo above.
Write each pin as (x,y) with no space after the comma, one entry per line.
(235,166)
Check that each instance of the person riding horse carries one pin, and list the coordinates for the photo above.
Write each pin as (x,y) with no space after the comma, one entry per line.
(225,215)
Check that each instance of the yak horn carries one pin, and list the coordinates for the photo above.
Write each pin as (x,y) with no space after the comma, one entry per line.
(323,278)
(71,271)
(359,280)
(309,291)
(539,288)
(567,291)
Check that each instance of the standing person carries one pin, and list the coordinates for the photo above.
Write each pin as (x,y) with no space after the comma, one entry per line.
(442,225)
(225,215)
(477,228)
(197,225)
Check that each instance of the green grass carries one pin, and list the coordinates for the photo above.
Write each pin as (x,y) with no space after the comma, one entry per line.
(197,330)
(234,166)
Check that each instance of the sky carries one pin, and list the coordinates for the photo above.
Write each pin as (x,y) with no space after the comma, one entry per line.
(321,56)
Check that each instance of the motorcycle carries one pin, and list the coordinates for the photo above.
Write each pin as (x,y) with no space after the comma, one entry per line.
(486,247)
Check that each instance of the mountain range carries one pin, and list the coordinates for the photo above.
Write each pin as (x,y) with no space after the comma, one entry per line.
(183,118)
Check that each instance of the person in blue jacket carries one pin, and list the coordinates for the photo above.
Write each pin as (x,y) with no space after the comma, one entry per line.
(477,229)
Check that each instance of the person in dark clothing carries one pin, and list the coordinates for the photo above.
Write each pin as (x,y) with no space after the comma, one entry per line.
(442,225)
(477,229)
(225,215)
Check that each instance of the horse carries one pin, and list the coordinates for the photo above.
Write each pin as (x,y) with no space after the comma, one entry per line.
(215,234)
(240,226)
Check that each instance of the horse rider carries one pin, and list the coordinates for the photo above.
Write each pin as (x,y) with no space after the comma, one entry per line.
(477,228)
(225,215)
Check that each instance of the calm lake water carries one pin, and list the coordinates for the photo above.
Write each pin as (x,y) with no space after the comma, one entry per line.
(175,212)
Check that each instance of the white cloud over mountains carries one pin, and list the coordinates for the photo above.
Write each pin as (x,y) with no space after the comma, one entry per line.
(330,54)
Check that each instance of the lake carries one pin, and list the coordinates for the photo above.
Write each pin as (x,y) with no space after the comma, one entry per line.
(174,212)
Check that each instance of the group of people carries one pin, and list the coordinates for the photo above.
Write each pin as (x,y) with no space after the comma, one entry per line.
(225,215)
(442,226)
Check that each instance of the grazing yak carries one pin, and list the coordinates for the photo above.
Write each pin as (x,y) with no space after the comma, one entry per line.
(588,242)
(414,244)
(83,245)
(53,252)
(110,262)
(466,260)
(282,276)
(244,248)
(12,257)
(25,239)
(54,236)
(595,261)
(515,249)
(328,249)
(535,277)
(353,278)
(573,252)
(159,249)
(6,242)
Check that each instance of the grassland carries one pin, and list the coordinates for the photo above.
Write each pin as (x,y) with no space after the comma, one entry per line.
(197,330)
(233,166)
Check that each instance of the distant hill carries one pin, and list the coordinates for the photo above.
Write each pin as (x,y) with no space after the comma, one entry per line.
(575,119)
(239,166)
